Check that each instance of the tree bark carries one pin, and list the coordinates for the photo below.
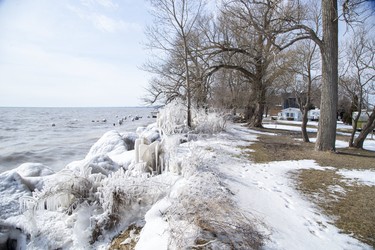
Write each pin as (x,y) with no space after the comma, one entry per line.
(326,137)
(257,118)
(368,128)
(306,107)
(305,136)
(354,130)
(187,73)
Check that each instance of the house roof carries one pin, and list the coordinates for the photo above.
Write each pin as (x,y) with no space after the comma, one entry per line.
(291,110)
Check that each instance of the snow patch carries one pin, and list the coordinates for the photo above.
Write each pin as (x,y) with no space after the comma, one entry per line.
(366,177)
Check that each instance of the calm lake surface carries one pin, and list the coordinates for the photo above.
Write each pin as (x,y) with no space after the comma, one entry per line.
(28,134)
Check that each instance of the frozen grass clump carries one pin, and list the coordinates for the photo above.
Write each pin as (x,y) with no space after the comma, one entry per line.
(125,199)
(203,215)
(65,192)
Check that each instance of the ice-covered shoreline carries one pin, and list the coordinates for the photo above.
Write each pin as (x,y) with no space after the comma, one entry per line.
(182,190)
(21,186)
(90,199)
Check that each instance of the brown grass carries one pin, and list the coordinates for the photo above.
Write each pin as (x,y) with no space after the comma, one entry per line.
(285,146)
(116,243)
(352,208)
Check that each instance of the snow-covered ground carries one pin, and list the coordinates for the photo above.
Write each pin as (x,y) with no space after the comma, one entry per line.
(265,193)
(208,184)
(369,143)
(340,124)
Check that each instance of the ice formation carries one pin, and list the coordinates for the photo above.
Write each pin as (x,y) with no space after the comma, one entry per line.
(117,182)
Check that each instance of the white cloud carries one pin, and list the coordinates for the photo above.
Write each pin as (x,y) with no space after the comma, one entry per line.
(104,22)
(104,3)
(107,24)
(108,4)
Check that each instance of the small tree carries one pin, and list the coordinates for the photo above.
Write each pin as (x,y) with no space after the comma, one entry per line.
(306,65)
(359,76)
(368,128)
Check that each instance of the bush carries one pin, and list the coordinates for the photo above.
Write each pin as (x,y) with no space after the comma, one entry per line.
(172,119)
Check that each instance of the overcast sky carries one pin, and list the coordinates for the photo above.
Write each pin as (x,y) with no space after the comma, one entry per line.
(72,52)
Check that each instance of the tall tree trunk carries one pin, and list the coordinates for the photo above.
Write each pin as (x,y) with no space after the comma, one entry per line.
(305,110)
(326,137)
(305,136)
(368,128)
(356,119)
(354,130)
(258,86)
(257,118)
(188,87)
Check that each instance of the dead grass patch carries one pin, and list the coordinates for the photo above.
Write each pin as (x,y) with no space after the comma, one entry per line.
(352,207)
(127,239)
(205,217)
(285,146)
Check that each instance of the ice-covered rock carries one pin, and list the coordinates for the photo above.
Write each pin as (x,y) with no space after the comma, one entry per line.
(33,175)
(102,164)
(11,237)
(34,170)
(124,159)
(12,188)
(110,143)
(129,140)
(152,133)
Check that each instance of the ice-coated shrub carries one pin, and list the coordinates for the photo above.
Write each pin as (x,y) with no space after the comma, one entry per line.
(124,199)
(65,191)
(208,122)
(172,119)
(120,191)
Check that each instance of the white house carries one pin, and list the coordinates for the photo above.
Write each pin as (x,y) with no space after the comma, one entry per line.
(314,114)
(292,114)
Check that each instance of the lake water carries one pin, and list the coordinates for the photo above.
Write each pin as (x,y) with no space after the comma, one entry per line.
(28,134)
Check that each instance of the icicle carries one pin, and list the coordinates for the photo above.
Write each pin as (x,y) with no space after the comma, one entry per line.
(27,203)
(136,149)
(157,159)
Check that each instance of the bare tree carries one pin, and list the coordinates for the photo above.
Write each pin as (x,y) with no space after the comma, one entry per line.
(307,66)
(363,52)
(368,128)
(240,44)
(174,23)
(357,11)
(296,25)
(359,72)
(328,44)
(230,90)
